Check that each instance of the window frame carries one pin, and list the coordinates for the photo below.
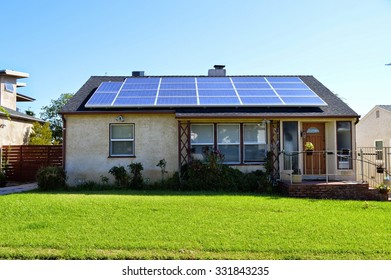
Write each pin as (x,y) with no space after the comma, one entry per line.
(202,144)
(342,157)
(238,144)
(241,144)
(251,143)
(111,140)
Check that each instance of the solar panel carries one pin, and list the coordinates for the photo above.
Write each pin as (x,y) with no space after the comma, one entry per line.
(135,102)
(213,80)
(177,86)
(256,93)
(221,93)
(283,79)
(219,101)
(252,85)
(215,86)
(303,101)
(262,100)
(177,93)
(177,101)
(205,91)
(288,86)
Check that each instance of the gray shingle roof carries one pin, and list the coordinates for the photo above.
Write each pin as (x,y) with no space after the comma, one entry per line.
(336,107)
(22,116)
(385,107)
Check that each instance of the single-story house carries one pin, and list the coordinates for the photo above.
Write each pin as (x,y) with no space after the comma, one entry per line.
(116,120)
(15,126)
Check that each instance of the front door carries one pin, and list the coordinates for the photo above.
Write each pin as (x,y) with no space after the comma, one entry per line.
(315,163)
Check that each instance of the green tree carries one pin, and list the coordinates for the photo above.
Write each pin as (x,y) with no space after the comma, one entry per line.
(51,114)
(40,134)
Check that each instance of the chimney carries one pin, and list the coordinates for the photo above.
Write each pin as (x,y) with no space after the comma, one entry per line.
(218,71)
(137,73)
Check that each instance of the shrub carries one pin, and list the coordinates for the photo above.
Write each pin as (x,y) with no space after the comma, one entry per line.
(136,178)
(120,176)
(51,178)
(3,179)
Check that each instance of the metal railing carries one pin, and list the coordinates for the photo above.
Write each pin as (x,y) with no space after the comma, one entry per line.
(315,163)
(371,165)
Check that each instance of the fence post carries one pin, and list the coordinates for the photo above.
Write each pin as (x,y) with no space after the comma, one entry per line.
(362,165)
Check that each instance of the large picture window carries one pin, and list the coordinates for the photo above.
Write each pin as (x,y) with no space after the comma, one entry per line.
(122,140)
(239,143)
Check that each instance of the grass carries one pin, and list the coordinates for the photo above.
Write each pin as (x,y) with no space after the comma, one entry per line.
(135,225)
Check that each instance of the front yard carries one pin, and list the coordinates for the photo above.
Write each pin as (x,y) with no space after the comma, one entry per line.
(136,225)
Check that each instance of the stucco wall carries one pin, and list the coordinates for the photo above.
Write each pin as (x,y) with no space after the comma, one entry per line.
(371,128)
(15,132)
(87,145)
(7,99)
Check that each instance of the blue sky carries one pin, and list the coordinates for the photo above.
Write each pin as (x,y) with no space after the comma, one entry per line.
(345,44)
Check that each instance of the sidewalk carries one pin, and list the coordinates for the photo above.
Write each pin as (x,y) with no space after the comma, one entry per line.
(17,189)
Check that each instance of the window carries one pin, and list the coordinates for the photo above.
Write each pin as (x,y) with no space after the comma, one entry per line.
(377,114)
(122,140)
(9,87)
(344,145)
(202,139)
(254,142)
(228,142)
(379,149)
(239,143)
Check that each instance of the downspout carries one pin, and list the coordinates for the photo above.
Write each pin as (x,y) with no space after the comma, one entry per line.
(64,141)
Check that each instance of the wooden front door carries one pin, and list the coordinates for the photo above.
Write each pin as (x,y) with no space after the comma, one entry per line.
(315,164)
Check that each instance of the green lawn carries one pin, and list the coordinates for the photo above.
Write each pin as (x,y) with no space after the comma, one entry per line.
(134,225)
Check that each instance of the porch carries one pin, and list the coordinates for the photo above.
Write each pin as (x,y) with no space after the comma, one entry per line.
(348,190)
(323,174)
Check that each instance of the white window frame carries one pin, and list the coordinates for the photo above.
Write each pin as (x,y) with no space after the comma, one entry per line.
(254,143)
(112,140)
(219,143)
(201,144)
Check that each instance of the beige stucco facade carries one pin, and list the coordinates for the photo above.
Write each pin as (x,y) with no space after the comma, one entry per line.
(374,126)
(87,145)
(14,131)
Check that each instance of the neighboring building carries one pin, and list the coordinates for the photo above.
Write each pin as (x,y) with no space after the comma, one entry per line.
(14,126)
(116,120)
(374,130)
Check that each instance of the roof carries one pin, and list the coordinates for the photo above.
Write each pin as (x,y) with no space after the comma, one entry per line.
(336,107)
(13,73)
(21,116)
(385,107)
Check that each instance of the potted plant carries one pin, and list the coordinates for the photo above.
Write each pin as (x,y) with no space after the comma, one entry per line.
(3,179)
(296,176)
(309,148)
(380,168)
(383,188)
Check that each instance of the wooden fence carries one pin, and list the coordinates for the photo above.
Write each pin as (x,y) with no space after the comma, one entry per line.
(22,162)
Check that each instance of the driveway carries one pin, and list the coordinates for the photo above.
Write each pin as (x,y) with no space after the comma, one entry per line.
(18,189)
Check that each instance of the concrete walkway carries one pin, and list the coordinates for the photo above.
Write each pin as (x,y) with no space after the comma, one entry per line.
(18,189)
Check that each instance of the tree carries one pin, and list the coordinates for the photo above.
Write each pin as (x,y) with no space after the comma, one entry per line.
(50,114)
(40,134)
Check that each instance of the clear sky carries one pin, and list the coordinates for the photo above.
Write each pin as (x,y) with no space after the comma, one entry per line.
(345,44)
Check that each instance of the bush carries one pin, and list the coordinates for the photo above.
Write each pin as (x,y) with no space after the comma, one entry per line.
(136,178)
(120,176)
(51,178)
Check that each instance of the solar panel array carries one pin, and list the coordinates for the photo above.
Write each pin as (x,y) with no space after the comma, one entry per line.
(204,92)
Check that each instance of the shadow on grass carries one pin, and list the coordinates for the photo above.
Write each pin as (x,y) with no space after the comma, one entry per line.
(130,192)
